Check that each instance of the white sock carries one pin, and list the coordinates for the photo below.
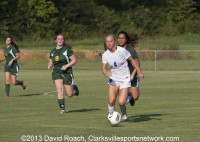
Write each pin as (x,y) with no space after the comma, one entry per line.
(111,109)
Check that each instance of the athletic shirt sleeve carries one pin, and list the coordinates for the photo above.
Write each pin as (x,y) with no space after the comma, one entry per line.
(50,55)
(126,53)
(132,51)
(134,54)
(14,50)
(69,52)
(104,61)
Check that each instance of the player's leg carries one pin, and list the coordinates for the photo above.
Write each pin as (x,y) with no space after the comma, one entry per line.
(70,88)
(122,101)
(7,84)
(112,94)
(60,94)
(14,73)
(134,91)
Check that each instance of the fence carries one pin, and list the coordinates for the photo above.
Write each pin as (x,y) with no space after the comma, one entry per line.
(150,60)
(170,59)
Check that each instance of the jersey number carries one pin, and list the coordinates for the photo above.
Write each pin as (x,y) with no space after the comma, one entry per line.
(115,64)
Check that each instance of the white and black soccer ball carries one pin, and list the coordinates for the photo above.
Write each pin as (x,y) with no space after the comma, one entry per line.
(114,118)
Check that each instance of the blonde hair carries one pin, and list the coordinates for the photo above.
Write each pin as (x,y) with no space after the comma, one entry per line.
(110,35)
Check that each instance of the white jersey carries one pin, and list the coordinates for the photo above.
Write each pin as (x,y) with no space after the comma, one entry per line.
(118,63)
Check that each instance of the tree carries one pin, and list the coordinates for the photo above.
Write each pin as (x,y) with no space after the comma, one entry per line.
(181,16)
(76,17)
(41,17)
(4,17)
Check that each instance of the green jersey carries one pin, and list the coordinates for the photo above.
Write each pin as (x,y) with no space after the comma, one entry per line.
(10,53)
(61,57)
(134,55)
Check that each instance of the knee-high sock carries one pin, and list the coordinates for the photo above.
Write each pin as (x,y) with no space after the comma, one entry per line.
(61,103)
(7,89)
(123,109)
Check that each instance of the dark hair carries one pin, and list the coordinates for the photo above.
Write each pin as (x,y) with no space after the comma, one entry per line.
(126,36)
(64,44)
(132,39)
(13,43)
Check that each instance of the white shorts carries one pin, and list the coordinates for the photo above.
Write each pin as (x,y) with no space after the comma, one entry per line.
(121,84)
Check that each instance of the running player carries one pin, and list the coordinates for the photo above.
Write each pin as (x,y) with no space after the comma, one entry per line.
(62,59)
(123,40)
(11,69)
(119,74)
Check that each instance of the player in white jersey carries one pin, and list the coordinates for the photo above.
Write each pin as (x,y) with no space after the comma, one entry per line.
(119,74)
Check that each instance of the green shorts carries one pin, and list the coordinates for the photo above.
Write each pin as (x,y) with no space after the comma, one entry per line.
(68,79)
(13,69)
(135,81)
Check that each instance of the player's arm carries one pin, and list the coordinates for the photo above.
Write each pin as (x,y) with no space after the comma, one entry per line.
(133,62)
(17,56)
(105,71)
(135,71)
(72,62)
(2,59)
(50,64)
(97,53)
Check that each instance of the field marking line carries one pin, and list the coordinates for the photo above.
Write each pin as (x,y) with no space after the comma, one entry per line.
(46,93)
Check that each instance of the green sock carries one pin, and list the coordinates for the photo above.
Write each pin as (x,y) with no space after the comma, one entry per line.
(123,109)
(7,89)
(18,82)
(61,103)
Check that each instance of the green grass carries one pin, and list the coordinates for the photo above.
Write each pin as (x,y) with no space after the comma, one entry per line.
(168,106)
(189,41)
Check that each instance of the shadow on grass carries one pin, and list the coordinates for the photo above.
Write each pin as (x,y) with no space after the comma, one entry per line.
(142,118)
(26,95)
(84,110)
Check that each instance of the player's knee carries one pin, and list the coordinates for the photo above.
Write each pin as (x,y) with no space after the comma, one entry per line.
(70,95)
(122,102)
(14,82)
(111,103)
(136,97)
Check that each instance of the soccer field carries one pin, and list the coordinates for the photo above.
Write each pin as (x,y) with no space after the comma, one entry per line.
(169,106)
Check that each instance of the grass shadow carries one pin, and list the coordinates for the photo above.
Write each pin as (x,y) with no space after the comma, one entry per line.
(147,117)
(84,110)
(27,95)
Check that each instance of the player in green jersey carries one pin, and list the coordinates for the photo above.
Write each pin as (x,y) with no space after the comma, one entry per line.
(11,69)
(123,40)
(61,60)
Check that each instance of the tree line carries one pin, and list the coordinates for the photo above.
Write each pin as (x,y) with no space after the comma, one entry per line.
(35,19)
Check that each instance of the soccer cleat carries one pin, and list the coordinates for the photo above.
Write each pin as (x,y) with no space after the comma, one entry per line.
(76,91)
(62,111)
(5,95)
(23,85)
(124,117)
(132,102)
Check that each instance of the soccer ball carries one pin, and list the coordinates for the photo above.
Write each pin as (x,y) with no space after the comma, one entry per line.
(114,118)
